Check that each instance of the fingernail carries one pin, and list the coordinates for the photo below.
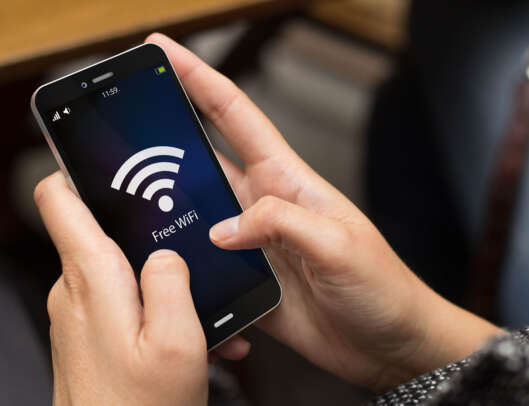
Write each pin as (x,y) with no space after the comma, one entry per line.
(225,229)
(161,253)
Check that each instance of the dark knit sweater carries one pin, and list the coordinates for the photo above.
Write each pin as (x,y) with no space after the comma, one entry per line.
(496,375)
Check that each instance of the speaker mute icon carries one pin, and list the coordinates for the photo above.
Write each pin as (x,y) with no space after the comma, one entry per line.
(56,116)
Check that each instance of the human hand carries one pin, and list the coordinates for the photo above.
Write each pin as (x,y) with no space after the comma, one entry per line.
(349,303)
(107,348)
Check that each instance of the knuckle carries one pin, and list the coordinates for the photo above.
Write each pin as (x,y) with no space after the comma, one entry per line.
(77,266)
(167,351)
(78,269)
(53,298)
(344,236)
(76,286)
(265,217)
(268,211)
(171,351)
(63,303)
(51,333)
(219,110)
(266,207)
(344,243)
(73,275)
(41,189)
(268,201)
(109,252)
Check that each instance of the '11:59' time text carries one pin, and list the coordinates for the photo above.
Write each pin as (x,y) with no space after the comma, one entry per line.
(110,92)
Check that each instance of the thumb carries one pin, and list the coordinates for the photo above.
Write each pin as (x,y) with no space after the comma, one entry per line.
(170,317)
(272,221)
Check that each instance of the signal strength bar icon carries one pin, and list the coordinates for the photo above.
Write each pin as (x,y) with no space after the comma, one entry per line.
(56,116)
(165,202)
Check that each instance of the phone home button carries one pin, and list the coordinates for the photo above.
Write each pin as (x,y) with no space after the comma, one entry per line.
(223,320)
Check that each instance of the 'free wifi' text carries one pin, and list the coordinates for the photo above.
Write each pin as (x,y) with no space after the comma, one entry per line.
(180,223)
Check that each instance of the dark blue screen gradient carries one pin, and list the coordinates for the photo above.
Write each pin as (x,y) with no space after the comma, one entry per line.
(149,110)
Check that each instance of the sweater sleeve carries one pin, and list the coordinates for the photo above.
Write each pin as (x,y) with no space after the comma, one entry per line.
(496,375)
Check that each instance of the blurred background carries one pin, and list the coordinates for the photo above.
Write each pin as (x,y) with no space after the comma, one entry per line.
(417,111)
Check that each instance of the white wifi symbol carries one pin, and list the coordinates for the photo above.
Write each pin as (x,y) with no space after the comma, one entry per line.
(165,202)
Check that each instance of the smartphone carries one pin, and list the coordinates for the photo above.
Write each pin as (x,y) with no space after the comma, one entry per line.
(130,144)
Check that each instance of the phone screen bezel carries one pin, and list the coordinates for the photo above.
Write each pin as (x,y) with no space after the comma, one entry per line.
(247,308)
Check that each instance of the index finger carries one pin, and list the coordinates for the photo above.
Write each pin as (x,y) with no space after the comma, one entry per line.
(97,269)
(71,226)
(248,131)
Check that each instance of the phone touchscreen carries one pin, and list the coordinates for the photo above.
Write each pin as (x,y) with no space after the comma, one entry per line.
(141,162)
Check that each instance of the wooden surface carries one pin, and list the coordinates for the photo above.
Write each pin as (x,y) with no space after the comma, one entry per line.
(34,33)
(382,22)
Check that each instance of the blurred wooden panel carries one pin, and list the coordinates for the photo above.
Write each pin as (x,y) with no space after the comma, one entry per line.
(380,21)
(38,30)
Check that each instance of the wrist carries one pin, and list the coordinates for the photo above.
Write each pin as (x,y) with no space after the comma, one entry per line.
(440,333)
(452,333)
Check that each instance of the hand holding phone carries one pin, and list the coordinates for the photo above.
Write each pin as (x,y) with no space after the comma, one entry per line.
(350,305)
(349,302)
(109,348)
(130,144)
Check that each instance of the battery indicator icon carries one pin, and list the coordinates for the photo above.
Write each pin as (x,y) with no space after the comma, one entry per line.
(159,70)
